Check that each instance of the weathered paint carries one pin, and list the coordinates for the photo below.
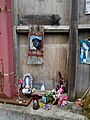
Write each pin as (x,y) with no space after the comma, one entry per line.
(6,47)
(45,7)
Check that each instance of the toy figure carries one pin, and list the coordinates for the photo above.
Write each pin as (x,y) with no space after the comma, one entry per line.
(35,102)
(27,83)
(20,83)
(47,107)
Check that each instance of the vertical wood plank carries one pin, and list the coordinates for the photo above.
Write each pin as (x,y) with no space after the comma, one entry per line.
(73,39)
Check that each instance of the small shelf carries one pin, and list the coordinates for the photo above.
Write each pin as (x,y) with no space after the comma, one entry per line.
(22,29)
(47,29)
(83,26)
(57,29)
(53,29)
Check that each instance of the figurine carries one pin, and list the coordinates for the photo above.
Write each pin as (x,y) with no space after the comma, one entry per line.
(27,83)
(35,102)
(47,107)
(20,83)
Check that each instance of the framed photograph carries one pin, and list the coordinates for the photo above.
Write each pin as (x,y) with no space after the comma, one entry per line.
(87,7)
(36,44)
(85,51)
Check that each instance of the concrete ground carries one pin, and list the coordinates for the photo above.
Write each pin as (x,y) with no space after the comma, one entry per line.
(13,112)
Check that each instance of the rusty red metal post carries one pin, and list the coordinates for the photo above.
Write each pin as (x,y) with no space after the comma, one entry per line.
(6,47)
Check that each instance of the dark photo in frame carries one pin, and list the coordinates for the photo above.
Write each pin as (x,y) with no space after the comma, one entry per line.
(36,42)
(36,48)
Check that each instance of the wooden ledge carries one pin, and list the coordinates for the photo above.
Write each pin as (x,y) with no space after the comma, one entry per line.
(52,29)
(47,29)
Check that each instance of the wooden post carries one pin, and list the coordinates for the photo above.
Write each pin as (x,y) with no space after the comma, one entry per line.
(73,40)
(15,4)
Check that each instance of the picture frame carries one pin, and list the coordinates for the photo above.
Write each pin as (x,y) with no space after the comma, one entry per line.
(87,7)
(36,42)
(85,51)
(36,47)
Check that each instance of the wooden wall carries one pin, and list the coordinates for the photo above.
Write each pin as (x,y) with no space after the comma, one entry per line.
(45,7)
(82,70)
(55,59)
(83,18)
(56,45)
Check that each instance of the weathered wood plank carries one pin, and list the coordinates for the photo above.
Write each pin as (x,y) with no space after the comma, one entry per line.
(83,70)
(53,29)
(73,39)
(39,19)
(47,29)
